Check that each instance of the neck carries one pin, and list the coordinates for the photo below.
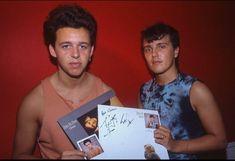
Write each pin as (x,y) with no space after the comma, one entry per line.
(69,82)
(166,77)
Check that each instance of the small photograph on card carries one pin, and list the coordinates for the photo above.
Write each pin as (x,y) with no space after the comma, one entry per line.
(89,122)
(150,152)
(91,146)
(151,120)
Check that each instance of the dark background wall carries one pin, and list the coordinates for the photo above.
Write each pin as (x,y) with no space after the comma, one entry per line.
(207,50)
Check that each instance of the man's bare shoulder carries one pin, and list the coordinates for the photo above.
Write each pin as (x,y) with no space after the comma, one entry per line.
(32,103)
(200,89)
(201,96)
(34,95)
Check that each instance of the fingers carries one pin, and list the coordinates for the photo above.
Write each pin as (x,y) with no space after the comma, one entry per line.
(162,128)
(73,154)
(162,135)
(161,132)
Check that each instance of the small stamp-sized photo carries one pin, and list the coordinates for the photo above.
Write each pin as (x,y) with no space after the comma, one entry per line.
(89,122)
(91,146)
(151,120)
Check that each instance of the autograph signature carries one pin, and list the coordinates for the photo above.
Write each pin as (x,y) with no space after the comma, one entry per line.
(112,121)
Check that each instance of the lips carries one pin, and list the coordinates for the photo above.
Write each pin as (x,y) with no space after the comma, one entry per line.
(156,61)
(75,64)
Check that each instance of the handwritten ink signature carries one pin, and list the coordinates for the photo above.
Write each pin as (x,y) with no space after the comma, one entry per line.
(125,120)
(111,122)
(104,112)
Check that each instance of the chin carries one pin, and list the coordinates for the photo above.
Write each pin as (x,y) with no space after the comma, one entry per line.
(75,75)
(157,72)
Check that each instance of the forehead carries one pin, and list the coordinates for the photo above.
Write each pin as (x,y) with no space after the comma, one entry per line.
(73,34)
(88,143)
(164,39)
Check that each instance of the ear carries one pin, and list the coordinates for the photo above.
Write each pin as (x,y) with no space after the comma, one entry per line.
(52,51)
(92,50)
(176,52)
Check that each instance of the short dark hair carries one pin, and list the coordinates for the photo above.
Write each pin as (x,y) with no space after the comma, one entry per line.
(86,141)
(158,31)
(69,15)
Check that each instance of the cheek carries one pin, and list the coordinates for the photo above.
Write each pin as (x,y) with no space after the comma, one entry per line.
(148,59)
(84,57)
(94,124)
(62,59)
(167,57)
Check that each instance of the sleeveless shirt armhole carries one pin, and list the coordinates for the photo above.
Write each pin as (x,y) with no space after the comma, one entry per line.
(43,85)
(107,88)
(189,91)
(193,81)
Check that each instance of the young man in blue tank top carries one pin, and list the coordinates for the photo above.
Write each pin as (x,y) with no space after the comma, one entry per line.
(191,123)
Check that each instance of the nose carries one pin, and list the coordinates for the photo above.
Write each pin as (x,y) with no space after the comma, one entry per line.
(155,52)
(76,53)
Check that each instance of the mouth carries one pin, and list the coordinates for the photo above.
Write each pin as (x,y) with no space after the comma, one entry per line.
(156,62)
(75,64)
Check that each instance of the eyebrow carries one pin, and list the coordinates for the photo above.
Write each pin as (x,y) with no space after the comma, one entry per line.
(160,43)
(147,46)
(69,42)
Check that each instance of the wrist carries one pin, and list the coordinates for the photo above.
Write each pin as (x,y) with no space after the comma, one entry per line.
(178,146)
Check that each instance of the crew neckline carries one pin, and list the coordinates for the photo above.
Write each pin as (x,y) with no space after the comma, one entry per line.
(178,77)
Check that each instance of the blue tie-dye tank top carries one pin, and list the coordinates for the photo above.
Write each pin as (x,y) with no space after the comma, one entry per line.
(173,104)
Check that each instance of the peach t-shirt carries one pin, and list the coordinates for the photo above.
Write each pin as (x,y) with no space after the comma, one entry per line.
(52,140)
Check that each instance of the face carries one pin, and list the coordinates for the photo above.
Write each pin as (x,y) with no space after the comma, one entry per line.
(88,145)
(151,119)
(72,50)
(160,55)
(91,123)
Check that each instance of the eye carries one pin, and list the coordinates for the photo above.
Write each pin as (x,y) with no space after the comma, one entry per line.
(161,46)
(148,50)
(65,46)
(83,46)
